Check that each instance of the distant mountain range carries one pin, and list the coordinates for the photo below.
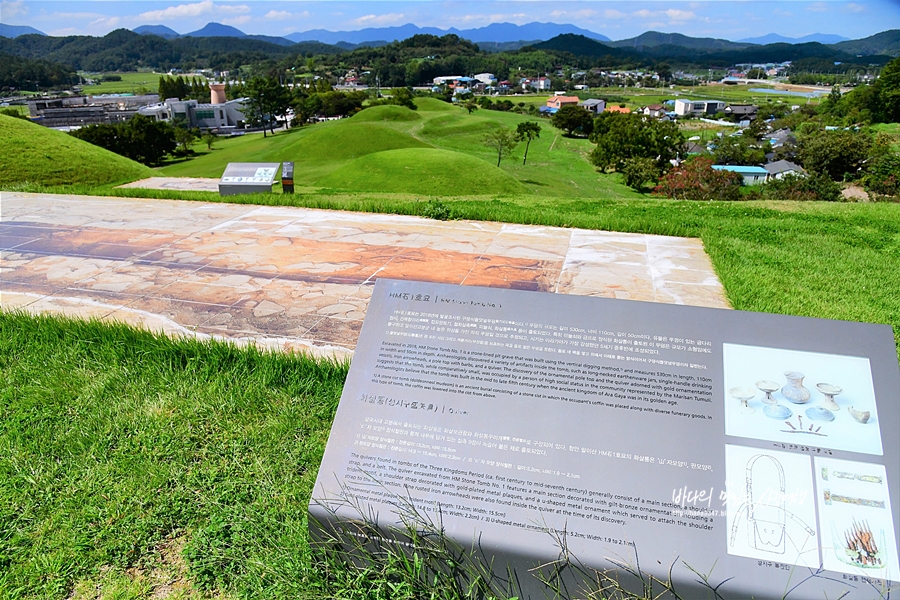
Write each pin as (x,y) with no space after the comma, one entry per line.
(11,31)
(501,33)
(678,48)
(504,36)
(774,38)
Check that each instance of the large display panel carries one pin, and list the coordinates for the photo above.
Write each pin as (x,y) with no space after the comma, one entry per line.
(762,451)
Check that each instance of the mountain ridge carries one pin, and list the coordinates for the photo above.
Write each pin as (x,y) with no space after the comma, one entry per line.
(14,31)
(774,38)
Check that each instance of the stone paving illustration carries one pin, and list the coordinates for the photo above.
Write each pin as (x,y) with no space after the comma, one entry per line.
(301,278)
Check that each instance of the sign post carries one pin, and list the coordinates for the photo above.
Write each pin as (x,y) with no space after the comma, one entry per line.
(759,451)
(247,178)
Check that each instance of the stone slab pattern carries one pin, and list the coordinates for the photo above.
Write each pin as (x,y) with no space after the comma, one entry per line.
(296,278)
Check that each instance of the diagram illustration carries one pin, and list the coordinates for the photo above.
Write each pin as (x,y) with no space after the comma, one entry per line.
(766,515)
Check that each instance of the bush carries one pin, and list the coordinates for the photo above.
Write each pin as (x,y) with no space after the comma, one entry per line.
(792,186)
(695,179)
(638,171)
(883,175)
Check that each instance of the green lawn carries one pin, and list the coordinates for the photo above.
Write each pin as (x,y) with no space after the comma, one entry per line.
(132,83)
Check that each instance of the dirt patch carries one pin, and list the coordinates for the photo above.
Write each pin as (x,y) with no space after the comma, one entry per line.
(855,193)
(165,577)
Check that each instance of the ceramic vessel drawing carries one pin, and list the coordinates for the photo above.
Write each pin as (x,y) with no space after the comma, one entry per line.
(817,413)
(777,411)
(859,415)
(830,391)
(768,387)
(744,395)
(794,390)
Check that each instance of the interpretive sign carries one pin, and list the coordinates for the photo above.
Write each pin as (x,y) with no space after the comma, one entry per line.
(759,451)
(247,178)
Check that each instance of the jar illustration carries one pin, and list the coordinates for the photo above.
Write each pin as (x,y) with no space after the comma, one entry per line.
(794,390)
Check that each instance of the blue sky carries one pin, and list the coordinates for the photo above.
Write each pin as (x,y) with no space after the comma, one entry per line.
(618,20)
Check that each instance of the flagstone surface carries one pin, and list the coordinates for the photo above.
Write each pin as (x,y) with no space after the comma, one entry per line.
(296,278)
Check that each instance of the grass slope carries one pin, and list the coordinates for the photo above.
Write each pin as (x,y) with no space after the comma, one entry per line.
(423,171)
(387,113)
(33,153)
(116,443)
(557,166)
(316,151)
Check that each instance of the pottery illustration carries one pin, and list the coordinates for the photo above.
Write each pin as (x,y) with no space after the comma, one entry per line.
(830,391)
(744,395)
(794,390)
(860,416)
(768,387)
(817,413)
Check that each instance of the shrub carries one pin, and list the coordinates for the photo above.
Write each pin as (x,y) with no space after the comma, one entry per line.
(883,175)
(792,186)
(695,179)
(638,171)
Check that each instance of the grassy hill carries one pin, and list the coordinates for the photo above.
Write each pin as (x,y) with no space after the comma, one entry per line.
(331,155)
(32,153)
(423,171)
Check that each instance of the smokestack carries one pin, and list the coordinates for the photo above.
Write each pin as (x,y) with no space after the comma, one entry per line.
(217,93)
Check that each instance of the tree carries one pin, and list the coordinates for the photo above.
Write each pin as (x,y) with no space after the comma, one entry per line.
(574,119)
(148,140)
(142,138)
(793,186)
(209,138)
(266,100)
(620,136)
(501,140)
(184,138)
(470,106)
(887,87)
(525,132)
(838,154)
(695,179)
(638,171)
(737,151)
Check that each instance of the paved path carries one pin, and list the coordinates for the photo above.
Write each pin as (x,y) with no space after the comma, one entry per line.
(302,278)
(188,184)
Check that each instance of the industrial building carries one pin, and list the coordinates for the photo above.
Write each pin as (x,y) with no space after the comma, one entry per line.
(219,114)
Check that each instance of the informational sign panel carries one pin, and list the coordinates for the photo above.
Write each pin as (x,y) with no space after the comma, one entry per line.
(247,178)
(762,451)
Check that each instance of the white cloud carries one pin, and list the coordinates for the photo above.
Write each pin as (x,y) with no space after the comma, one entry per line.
(64,32)
(195,9)
(105,23)
(856,8)
(681,15)
(817,7)
(236,20)
(11,10)
(278,15)
(387,19)
(612,13)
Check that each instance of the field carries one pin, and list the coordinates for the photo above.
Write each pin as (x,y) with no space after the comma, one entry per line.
(132,83)
(35,154)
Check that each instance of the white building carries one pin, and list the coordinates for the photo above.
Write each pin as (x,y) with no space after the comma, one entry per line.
(698,108)
(486,78)
(218,114)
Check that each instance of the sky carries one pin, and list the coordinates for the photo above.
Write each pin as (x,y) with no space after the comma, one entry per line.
(622,19)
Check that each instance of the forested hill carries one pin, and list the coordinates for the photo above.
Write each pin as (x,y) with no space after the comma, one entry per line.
(418,59)
(124,50)
(712,54)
